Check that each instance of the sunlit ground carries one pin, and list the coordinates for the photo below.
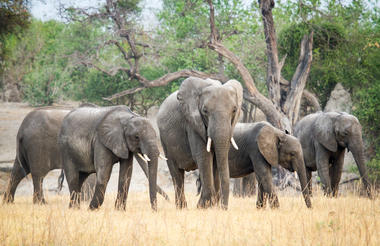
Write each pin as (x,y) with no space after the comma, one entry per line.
(349,220)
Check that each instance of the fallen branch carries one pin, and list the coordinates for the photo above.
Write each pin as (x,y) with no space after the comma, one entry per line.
(350,180)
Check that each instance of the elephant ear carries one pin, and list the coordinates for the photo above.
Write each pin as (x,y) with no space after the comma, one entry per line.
(111,134)
(267,140)
(323,131)
(188,96)
(239,97)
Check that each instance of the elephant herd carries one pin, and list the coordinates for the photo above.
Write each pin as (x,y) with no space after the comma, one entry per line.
(199,129)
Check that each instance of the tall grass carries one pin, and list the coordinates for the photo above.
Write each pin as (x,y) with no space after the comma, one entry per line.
(349,220)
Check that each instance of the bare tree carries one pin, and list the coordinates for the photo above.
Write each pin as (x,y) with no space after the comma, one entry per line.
(130,42)
(282,107)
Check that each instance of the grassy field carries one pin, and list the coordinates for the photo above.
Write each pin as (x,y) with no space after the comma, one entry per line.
(349,220)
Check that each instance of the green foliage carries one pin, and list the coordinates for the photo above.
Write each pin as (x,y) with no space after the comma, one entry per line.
(346,50)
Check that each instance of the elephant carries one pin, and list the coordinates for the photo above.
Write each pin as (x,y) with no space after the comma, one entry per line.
(261,147)
(39,132)
(92,139)
(196,124)
(37,150)
(245,186)
(324,137)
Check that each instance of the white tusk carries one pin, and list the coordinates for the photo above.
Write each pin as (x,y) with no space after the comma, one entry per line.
(142,157)
(146,157)
(163,157)
(208,144)
(234,143)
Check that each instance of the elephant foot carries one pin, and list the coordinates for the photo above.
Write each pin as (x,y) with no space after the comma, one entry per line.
(93,206)
(8,199)
(39,201)
(181,203)
(260,205)
(205,203)
(120,205)
(274,203)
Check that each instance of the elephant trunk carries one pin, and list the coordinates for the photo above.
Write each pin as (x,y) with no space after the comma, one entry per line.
(299,167)
(153,154)
(356,147)
(221,141)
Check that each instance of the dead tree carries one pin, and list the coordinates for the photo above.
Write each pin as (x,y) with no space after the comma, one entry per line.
(132,45)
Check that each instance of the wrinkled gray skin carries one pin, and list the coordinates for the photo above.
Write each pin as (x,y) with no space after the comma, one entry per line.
(38,134)
(324,138)
(37,151)
(261,147)
(93,139)
(198,110)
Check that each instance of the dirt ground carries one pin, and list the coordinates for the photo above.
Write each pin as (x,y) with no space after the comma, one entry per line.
(11,116)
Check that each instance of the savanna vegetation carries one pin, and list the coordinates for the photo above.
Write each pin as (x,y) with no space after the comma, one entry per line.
(348,220)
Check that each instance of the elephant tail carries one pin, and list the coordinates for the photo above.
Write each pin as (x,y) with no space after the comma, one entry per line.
(60,181)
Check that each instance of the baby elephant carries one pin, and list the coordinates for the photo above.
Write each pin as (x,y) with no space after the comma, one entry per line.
(261,147)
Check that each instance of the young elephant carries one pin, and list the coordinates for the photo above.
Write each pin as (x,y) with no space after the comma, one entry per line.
(261,147)
(39,132)
(324,138)
(93,139)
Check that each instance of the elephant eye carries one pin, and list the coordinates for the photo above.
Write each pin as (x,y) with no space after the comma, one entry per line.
(137,137)
(204,110)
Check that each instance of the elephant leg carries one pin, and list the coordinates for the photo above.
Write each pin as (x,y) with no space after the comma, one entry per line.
(336,173)
(249,185)
(125,175)
(17,174)
(102,177)
(322,159)
(82,178)
(72,177)
(237,190)
(264,177)
(178,177)
(309,181)
(261,199)
(38,196)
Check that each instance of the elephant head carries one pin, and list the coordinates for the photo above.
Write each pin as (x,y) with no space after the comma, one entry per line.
(341,130)
(279,148)
(124,133)
(212,109)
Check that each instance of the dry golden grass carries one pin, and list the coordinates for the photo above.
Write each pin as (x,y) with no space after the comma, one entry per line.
(349,220)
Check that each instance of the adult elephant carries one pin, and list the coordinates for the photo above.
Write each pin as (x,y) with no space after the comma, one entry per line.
(92,139)
(196,124)
(324,138)
(37,151)
(261,147)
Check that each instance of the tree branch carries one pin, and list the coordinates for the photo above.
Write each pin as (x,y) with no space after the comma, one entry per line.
(298,82)
(274,70)
(253,95)
(164,80)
